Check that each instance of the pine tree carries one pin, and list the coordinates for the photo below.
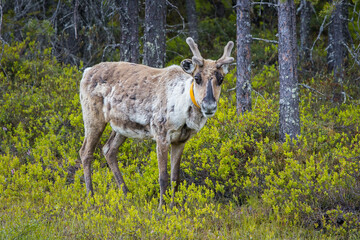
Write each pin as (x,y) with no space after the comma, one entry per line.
(305,16)
(243,82)
(129,44)
(154,33)
(336,51)
(289,90)
(192,19)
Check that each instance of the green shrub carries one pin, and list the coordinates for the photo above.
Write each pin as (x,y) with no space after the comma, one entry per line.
(238,180)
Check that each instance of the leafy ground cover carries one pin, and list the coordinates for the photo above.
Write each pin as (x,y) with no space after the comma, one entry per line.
(239,181)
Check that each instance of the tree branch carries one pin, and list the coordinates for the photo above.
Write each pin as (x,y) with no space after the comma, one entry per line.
(260,3)
(318,37)
(115,45)
(182,20)
(310,88)
(266,40)
(266,3)
(355,57)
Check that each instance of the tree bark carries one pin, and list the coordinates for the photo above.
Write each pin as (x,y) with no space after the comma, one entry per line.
(243,63)
(336,51)
(154,33)
(219,8)
(192,19)
(289,90)
(305,16)
(129,44)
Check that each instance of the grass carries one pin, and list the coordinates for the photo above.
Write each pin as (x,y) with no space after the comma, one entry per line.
(238,222)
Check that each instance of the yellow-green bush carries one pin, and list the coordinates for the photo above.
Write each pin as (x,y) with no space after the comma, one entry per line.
(238,180)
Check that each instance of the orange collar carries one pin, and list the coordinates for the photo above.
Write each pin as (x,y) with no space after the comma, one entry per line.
(192,95)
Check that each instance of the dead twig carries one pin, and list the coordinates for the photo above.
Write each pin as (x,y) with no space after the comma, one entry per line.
(264,3)
(181,17)
(355,57)
(317,38)
(266,40)
(115,45)
(310,88)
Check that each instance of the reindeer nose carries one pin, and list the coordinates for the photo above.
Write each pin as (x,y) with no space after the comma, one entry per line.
(209,104)
(208,108)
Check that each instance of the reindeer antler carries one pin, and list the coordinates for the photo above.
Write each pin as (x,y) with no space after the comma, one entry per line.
(197,58)
(226,59)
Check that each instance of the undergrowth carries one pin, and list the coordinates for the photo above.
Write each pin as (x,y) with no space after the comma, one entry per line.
(239,181)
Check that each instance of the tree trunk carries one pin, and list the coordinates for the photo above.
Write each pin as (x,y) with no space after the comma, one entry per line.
(129,44)
(219,8)
(192,19)
(305,16)
(336,51)
(289,91)
(154,33)
(243,62)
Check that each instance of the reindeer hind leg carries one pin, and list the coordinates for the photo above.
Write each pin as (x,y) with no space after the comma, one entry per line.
(110,151)
(86,152)
(94,124)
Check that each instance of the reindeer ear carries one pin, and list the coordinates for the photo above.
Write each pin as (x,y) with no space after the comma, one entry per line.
(188,66)
(225,68)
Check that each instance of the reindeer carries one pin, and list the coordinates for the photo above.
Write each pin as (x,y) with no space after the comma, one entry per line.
(169,105)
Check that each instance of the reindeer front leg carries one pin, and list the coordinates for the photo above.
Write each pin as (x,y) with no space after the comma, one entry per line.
(162,147)
(176,152)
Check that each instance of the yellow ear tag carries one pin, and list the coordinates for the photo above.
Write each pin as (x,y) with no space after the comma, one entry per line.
(192,95)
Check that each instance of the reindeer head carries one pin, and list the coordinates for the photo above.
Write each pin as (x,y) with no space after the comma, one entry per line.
(208,75)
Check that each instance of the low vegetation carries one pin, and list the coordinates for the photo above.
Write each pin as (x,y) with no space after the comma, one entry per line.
(239,181)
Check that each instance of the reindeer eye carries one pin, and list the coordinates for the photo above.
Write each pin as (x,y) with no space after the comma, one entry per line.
(198,78)
(219,78)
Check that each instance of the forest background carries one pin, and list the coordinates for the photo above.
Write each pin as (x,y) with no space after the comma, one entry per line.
(240,179)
